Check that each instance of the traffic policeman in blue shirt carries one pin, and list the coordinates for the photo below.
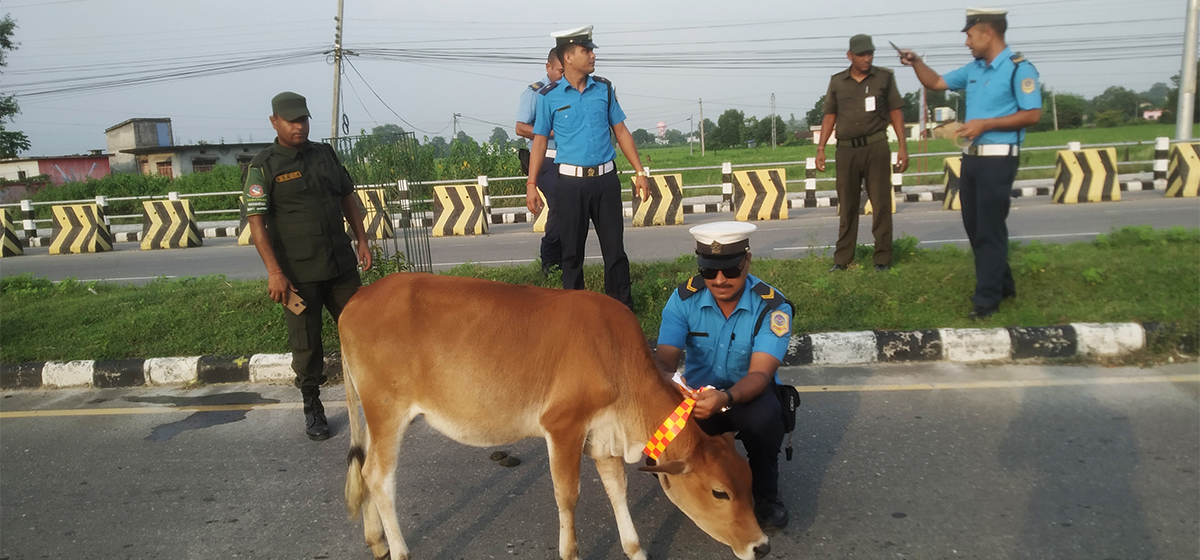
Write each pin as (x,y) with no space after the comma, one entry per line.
(735,329)
(1003,97)
(551,250)
(581,110)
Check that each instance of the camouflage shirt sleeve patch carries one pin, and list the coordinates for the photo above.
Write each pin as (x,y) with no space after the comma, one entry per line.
(255,192)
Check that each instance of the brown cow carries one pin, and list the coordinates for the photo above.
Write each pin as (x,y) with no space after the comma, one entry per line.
(489,364)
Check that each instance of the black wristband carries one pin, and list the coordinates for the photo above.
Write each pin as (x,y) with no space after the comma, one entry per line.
(728,394)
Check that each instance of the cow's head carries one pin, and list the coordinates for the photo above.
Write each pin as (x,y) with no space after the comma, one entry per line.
(712,486)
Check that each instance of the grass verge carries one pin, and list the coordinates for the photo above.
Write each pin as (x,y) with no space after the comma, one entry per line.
(1135,274)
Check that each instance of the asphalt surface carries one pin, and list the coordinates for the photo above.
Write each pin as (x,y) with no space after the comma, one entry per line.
(808,231)
(929,461)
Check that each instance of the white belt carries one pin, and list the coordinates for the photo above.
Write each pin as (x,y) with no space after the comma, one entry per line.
(992,150)
(551,153)
(577,171)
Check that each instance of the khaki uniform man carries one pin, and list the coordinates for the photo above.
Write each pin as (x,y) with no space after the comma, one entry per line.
(862,101)
(298,201)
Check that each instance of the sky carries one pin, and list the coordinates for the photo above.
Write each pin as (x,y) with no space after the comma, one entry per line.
(212,67)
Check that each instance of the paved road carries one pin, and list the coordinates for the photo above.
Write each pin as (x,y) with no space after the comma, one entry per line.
(808,230)
(1009,462)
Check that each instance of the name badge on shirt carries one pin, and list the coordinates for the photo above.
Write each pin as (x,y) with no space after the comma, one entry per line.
(287,176)
(870,103)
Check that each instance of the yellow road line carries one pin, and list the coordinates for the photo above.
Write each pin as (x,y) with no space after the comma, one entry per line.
(1006,384)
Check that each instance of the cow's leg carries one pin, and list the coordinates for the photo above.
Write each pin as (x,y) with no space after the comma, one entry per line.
(566,452)
(612,473)
(379,471)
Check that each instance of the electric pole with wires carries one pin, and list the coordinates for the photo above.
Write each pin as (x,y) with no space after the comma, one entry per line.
(337,73)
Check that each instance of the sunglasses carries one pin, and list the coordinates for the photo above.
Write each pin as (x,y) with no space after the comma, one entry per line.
(731,272)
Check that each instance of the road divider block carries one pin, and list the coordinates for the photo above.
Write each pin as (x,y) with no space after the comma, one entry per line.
(12,244)
(1183,173)
(460,210)
(79,228)
(1086,176)
(665,205)
(169,224)
(951,173)
(373,203)
(760,195)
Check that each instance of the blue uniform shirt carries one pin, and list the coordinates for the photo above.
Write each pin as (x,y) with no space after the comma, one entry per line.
(580,121)
(527,108)
(994,91)
(719,349)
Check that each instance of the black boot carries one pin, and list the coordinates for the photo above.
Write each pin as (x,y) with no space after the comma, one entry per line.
(315,424)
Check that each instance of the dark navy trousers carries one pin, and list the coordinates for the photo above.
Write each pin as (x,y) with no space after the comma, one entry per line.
(598,200)
(985,191)
(759,424)
(547,181)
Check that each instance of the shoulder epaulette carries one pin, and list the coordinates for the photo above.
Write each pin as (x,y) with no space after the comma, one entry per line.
(547,88)
(885,70)
(772,297)
(536,86)
(1018,58)
(602,80)
(691,287)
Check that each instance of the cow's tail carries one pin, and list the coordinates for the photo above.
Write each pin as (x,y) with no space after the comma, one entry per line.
(356,488)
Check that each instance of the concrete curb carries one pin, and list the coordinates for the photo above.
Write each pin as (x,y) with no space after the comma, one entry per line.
(844,348)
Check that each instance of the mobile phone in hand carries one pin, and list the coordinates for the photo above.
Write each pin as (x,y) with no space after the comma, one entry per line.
(295,303)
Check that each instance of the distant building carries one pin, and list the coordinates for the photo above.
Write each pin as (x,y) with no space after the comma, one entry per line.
(58,169)
(132,134)
(176,161)
(1152,114)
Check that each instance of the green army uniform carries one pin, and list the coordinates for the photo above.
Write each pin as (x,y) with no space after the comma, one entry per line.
(300,192)
(862,110)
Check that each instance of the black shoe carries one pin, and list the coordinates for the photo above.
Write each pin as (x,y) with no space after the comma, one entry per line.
(982,312)
(883,267)
(1012,294)
(771,514)
(315,424)
(837,267)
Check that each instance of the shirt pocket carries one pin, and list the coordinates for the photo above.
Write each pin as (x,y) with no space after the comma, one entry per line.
(700,349)
(300,234)
(737,364)
(566,119)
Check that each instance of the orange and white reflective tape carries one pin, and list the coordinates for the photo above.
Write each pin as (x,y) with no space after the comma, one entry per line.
(669,429)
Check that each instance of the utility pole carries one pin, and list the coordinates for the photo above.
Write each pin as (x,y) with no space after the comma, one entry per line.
(701,127)
(772,121)
(691,134)
(1054,103)
(1187,75)
(337,73)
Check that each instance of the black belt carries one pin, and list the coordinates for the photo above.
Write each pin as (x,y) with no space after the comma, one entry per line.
(863,140)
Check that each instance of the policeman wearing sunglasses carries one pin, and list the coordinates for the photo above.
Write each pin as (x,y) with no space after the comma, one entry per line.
(736,330)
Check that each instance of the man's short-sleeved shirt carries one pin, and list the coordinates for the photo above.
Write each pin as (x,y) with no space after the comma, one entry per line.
(862,108)
(719,349)
(580,121)
(527,108)
(300,193)
(995,90)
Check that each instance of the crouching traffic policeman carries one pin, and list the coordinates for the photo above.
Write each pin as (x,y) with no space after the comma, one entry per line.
(297,194)
(736,330)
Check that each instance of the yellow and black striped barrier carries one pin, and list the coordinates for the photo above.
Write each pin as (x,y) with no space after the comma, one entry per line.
(760,195)
(539,223)
(1086,176)
(79,228)
(373,204)
(244,237)
(665,207)
(867,209)
(12,244)
(1183,173)
(952,171)
(460,210)
(169,224)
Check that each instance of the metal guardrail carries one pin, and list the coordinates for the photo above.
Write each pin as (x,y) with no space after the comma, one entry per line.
(102,200)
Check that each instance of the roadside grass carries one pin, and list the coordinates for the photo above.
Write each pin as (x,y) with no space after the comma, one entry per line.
(1135,274)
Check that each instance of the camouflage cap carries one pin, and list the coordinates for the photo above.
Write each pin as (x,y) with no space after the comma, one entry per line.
(861,44)
(289,106)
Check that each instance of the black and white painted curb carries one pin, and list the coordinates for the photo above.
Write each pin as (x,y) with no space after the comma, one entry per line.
(845,348)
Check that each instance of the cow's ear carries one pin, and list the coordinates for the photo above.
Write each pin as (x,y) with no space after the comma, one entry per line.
(670,467)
